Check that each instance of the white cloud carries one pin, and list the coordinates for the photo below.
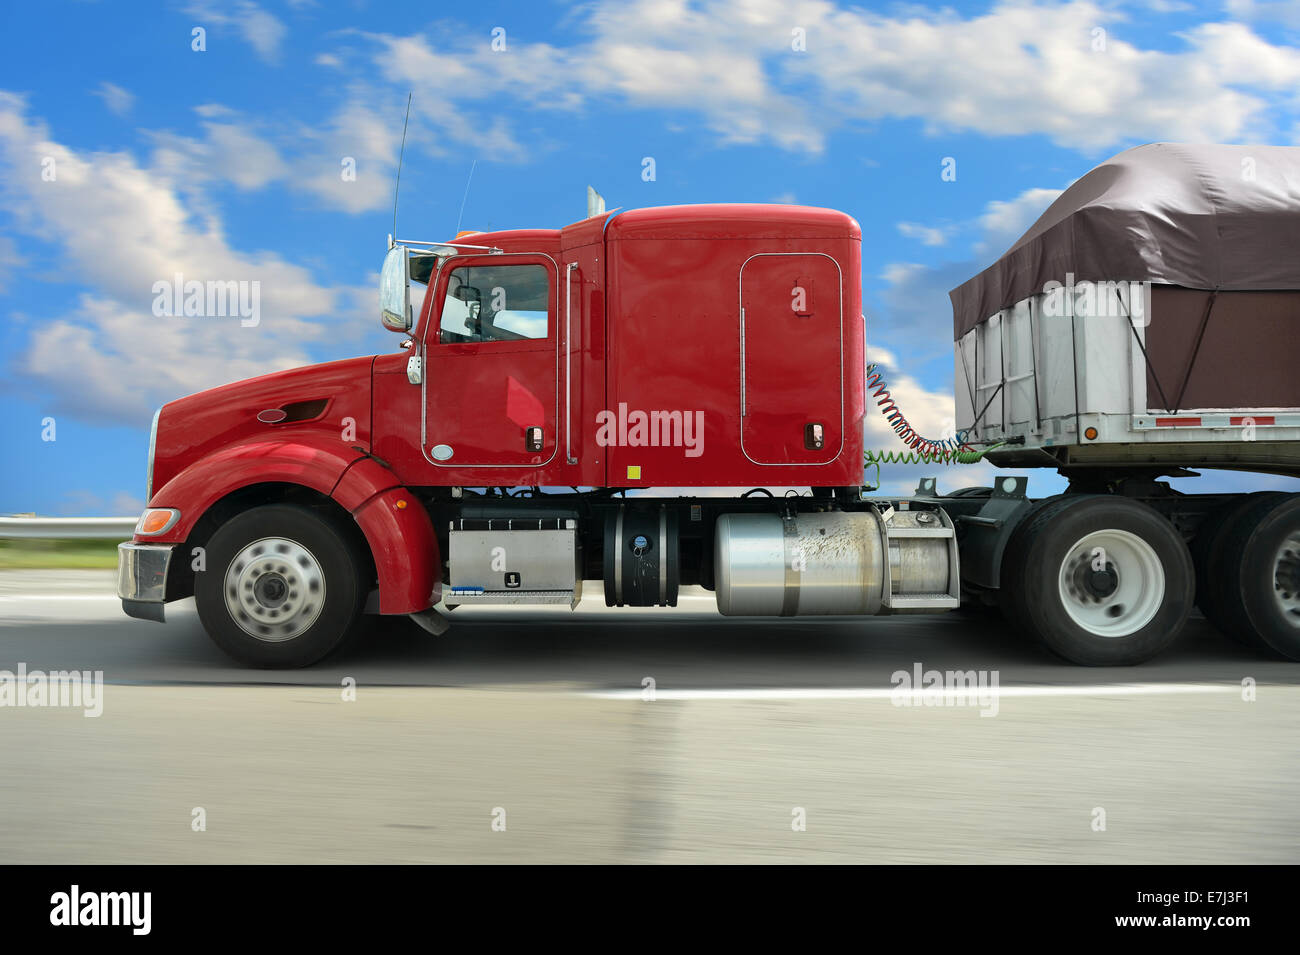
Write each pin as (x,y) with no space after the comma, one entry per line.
(259,29)
(1005,221)
(229,152)
(927,235)
(1019,68)
(121,227)
(1281,11)
(118,100)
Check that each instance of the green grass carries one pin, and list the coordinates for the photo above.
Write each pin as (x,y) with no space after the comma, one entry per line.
(57,554)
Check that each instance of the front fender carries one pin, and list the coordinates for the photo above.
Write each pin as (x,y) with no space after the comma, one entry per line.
(396,527)
(307,459)
(402,541)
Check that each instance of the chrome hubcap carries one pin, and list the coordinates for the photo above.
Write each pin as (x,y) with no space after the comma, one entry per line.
(1112,583)
(274,589)
(1286,579)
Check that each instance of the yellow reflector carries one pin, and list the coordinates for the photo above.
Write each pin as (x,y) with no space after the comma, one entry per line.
(634,472)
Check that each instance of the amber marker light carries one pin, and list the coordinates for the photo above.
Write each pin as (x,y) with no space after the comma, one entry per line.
(1090,433)
(157,520)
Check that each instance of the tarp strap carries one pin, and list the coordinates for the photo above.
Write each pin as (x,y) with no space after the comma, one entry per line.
(1145,357)
(1033,358)
(996,392)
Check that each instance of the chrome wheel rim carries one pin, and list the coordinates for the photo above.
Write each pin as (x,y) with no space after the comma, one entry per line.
(274,589)
(1286,579)
(1111,583)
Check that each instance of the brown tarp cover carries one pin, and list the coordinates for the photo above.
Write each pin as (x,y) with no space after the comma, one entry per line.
(1198,216)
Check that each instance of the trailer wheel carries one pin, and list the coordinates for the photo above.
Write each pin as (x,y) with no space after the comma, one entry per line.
(283,587)
(1258,575)
(1100,580)
(1216,577)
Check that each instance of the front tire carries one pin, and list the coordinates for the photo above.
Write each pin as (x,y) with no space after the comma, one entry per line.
(283,587)
(1100,580)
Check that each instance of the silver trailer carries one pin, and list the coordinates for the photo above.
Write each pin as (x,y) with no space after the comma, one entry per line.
(1148,324)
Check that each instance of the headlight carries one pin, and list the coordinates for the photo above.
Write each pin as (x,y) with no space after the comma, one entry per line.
(153,444)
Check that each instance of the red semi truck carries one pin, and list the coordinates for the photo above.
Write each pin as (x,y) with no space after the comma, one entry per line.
(551,380)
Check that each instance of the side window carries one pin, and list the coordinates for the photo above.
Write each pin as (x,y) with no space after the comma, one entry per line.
(422,270)
(495,303)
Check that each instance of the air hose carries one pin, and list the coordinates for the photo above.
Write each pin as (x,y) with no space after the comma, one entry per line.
(921,450)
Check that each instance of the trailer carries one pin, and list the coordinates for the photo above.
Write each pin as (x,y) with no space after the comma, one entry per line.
(566,405)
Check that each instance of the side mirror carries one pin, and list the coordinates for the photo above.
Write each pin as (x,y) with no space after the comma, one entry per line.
(395,290)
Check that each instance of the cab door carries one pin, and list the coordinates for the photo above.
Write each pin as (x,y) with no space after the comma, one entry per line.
(491,362)
(791,358)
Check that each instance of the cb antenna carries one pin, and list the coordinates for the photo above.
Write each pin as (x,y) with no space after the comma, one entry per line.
(466,196)
(400,156)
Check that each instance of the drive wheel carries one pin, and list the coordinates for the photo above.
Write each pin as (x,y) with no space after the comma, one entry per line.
(1215,576)
(283,587)
(1257,576)
(1100,580)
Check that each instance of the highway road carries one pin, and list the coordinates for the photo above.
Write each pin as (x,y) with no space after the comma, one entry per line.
(526,736)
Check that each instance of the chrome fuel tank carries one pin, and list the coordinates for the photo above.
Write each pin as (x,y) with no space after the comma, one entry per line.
(835,562)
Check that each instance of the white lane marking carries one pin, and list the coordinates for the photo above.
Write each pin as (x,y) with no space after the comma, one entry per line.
(878,693)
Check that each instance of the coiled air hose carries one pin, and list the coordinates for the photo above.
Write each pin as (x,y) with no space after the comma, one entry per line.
(921,450)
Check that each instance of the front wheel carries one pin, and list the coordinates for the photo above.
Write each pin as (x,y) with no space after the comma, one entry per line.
(1100,580)
(282,588)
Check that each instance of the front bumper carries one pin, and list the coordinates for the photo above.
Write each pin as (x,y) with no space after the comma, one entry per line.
(142,578)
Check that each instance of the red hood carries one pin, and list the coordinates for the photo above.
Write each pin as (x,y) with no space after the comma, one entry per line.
(333,397)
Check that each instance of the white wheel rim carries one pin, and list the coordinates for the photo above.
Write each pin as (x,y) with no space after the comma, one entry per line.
(1122,560)
(274,589)
(1286,579)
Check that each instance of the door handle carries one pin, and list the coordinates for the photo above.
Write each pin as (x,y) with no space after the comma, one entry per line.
(533,440)
(568,360)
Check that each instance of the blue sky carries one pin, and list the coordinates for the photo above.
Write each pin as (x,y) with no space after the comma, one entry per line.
(226,163)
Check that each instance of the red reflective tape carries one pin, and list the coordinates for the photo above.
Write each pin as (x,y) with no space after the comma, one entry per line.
(1254,419)
(1178,422)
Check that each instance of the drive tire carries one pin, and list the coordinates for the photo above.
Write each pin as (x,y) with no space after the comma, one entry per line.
(1013,561)
(1216,576)
(1256,577)
(1052,593)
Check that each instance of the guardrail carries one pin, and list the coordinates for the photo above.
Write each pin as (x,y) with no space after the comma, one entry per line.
(86,528)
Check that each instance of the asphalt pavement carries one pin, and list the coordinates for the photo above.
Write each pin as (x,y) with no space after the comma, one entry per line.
(637,736)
